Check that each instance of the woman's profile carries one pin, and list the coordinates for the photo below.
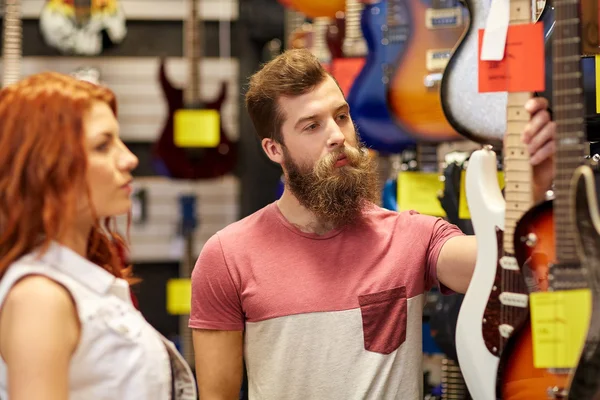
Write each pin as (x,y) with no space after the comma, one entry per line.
(68,328)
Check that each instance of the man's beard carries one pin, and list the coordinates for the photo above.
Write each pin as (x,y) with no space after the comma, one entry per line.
(335,195)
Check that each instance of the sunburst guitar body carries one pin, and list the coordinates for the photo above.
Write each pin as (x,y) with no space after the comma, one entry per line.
(413,91)
(535,249)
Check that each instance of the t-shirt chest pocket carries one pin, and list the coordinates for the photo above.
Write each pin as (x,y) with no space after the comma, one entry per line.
(384,319)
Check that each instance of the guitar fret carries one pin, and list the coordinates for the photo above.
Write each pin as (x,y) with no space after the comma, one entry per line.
(562,3)
(566,21)
(569,121)
(571,40)
(566,75)
(568,92)
(568,107)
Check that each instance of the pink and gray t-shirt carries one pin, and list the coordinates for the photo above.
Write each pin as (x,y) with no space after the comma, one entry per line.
(336,316)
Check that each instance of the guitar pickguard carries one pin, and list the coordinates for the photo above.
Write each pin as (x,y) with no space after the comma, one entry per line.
(505,310)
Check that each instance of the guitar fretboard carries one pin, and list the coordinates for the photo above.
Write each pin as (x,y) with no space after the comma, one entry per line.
(11,58)
(193,54)
(320,26)
(518,191)
(568,110)
(354,42)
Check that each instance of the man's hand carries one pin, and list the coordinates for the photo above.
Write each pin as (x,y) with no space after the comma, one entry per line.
(539,136)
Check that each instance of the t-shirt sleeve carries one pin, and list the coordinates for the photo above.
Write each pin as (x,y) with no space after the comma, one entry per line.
(215,296)
(440,232)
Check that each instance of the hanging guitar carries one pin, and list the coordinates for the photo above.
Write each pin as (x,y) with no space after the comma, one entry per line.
(544,238)
(385,32)
(475,115)
(585,383)
(12,43)
(192,163)
(413,89)
(82,27)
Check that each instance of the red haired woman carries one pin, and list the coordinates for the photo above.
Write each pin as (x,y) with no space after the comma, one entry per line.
(68,329)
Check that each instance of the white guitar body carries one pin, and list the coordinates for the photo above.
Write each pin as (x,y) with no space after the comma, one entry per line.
(486,205)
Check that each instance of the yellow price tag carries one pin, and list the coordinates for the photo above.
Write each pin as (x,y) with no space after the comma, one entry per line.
(419,191)
(463,206)
(196,128)
(597,70)
(179,296)
(559,325)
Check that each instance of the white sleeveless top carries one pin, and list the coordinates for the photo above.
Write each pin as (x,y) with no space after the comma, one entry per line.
(119,354)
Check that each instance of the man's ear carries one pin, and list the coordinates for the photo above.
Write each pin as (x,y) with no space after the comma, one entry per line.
(273,150)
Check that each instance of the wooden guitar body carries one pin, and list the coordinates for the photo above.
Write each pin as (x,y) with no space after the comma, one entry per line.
(534,250)
(179,163)
(413,91)
(585,383)
(368,95)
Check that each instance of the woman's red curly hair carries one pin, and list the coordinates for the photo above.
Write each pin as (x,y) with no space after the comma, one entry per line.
(43,165)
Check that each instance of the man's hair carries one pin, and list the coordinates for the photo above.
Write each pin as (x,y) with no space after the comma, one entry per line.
(293,73)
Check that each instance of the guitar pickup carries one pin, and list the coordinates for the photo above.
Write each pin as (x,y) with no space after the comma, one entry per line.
(437,59)
(443,17)
(509,263)
(514,299)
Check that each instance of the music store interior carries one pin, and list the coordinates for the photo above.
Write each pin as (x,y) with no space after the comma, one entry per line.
(435,89)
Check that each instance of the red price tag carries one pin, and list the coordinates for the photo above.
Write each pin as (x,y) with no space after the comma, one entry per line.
(522,69)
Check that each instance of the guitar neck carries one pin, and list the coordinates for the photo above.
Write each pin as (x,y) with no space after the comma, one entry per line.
(568,110)
(11,50)
(518,177)
(292,21)
(193,49)
(320,26)
(354,42)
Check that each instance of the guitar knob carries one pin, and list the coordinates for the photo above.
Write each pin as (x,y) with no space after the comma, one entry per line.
(530,240)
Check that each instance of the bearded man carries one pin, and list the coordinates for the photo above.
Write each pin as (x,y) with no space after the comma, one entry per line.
(321,293)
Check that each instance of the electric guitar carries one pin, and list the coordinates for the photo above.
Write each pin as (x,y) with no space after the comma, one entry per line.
(12,43)
(471,113)
(198,163)
(585,383)
(544,239)
(413,89)
(386,33)
(496,301)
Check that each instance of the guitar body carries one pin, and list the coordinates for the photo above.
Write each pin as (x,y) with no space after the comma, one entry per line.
(475,115)
(520,380)
(486,204)
(179,163)
(413,91)
(368,95)
(585,383)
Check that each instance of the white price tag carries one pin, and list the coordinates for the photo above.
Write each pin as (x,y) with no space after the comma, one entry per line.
(496,28)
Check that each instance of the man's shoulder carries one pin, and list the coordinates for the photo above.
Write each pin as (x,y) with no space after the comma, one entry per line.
(248,226)
(377,213)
